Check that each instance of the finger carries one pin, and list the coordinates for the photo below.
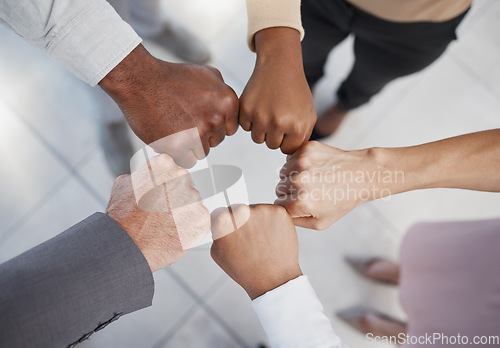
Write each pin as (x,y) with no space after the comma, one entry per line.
(306,222)
(244,121)
(291,143)
(285,187)
(258,133)
(226,220)
(294,206)
(187,159)
(231,121)
(216,139)
(157,170)
(290,168)
(274,140)
(199,151)
(232,125)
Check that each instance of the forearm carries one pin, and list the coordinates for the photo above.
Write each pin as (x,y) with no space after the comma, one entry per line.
(279,43)
(86,36)
(72,285)
(470,161)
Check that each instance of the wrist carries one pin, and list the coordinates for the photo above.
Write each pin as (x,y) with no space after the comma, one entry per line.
(129,75)
(130,226)
(260,286)
(281,43)
(412,171)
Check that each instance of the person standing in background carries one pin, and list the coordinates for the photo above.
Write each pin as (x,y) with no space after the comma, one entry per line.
(392,38)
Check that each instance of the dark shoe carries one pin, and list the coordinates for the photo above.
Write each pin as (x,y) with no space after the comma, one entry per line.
(328,122)
(117,147)
(315,135)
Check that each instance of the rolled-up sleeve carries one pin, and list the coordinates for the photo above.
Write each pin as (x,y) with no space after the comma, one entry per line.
(264,14)
(88,37)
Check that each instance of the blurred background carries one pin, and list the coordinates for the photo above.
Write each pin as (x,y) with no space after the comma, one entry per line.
(54,173)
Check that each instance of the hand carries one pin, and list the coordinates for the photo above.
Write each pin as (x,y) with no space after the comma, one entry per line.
(169,218)
(320,184)
(160,99)
(263,253)
(277,105)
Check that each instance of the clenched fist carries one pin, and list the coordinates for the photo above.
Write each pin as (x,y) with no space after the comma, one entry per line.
(263,253)
(320,184)
(159,99)
(277,104)
(160,210)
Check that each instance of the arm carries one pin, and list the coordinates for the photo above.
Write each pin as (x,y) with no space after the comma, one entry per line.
(293,316)
(72,285)
(62,291)
(157,98)
(277,105)
(346,179)
(262,256)
(88,37)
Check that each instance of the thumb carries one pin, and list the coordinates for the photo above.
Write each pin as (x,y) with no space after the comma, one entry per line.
(306,222)
(295,207)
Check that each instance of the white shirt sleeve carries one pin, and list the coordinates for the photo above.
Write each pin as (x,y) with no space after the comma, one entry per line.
(293,317)
(88,37)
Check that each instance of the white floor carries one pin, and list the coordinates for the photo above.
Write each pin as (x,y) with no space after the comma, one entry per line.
(53,172)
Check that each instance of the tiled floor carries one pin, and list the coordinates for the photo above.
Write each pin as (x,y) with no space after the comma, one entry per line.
(53,172)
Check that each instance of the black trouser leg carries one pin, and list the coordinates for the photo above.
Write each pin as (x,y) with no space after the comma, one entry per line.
(326,24)
(386,50)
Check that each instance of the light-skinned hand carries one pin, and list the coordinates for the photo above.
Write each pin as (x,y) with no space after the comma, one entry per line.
(160,210)
(320,184)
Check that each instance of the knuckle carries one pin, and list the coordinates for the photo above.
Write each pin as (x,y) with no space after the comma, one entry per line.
(303,162)
(162,160)
(121,178)
(259,117)
(279,122)
(246,108)
(215,70)
(280,211)
(204,216)
(319,224)
(183,174)
(216,120)
(305,204)
(227,101)
(222,218)
(237,210)
(312,146)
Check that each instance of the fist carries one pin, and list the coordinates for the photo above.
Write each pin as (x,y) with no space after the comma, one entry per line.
(263,253)
(161,99)
(277,105)
(320,184)
(160,210)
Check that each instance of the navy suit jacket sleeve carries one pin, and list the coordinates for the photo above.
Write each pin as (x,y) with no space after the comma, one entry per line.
(62,291)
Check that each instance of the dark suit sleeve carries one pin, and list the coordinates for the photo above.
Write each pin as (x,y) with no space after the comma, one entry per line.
(63,290)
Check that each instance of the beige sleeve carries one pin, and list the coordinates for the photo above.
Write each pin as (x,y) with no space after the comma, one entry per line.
(264,14)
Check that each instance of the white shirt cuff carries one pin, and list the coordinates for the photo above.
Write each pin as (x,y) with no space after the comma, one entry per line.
(292,316)
(93,42)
